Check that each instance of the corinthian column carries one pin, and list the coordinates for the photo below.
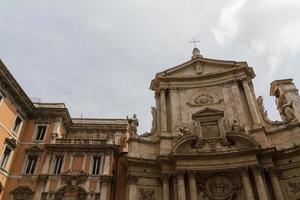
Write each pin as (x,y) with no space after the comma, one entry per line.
(166,192)
(163,111)
(238,102)
(131,188)
(260,185)
(192,186)
(247,184)
(251,103)
(181,187)
(275,184)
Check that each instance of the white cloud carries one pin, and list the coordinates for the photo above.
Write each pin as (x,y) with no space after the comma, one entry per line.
(267,27)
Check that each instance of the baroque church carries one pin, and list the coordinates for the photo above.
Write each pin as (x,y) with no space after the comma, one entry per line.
(211,139)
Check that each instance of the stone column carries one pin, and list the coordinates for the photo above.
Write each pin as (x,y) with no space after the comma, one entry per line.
(193,186)
(181,187)
(247,184)
(42,180)
(175,186)
(238,102)
(166,192)
(175,119)
(132,189)
(104,191)
(275,184)
(251,103)
(260,185)
(163,111)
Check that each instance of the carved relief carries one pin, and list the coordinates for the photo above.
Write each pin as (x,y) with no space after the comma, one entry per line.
(295,187)
(204,97)
(147,194)
(199,68)
(238,128)
(22,193)
(72,181)
(219,188)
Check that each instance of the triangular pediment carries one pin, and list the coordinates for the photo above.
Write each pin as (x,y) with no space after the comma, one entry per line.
(205,112)
(199,67)
(34,149)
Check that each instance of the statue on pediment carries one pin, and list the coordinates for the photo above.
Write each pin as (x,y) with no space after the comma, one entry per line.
(154,119)
(288,112)
(133,124)
(237,128)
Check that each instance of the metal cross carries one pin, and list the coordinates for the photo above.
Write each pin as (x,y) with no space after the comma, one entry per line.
(194,42)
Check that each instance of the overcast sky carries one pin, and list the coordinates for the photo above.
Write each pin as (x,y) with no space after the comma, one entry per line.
(99,56)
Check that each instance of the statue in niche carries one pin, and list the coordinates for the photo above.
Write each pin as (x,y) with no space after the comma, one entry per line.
(133,124)
(288,112)
(154,119)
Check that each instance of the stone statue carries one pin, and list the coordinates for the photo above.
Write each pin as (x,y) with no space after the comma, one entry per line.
(184,130)
(237,128)
(154,119)
(288,112)
(133,124)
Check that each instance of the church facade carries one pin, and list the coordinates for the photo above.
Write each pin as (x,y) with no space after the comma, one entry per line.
(211,139)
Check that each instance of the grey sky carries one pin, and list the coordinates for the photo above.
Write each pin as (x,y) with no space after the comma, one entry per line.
(99,56)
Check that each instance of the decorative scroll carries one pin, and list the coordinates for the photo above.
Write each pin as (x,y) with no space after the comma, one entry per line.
(264,113)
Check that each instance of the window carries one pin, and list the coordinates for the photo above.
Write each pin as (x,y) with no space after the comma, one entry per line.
(210,129)
(5,157)
(17,124)
(96,165)
(40,132)
(30,164)
(58,164)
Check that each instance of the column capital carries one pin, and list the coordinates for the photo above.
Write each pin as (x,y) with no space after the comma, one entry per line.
(180,175)
(256,170)
(192,174)
(244,171)
(273,172)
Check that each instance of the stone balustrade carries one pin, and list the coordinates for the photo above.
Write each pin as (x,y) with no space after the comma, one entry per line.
(81,141)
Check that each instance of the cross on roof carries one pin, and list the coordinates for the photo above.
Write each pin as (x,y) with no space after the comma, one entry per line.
(194,42)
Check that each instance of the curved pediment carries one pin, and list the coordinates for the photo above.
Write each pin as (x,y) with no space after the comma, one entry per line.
(233,142)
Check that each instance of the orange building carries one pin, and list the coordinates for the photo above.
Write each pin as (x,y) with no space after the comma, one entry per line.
(46,154)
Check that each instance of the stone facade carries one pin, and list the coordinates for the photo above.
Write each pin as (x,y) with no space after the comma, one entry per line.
(211,139)
(47,155)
